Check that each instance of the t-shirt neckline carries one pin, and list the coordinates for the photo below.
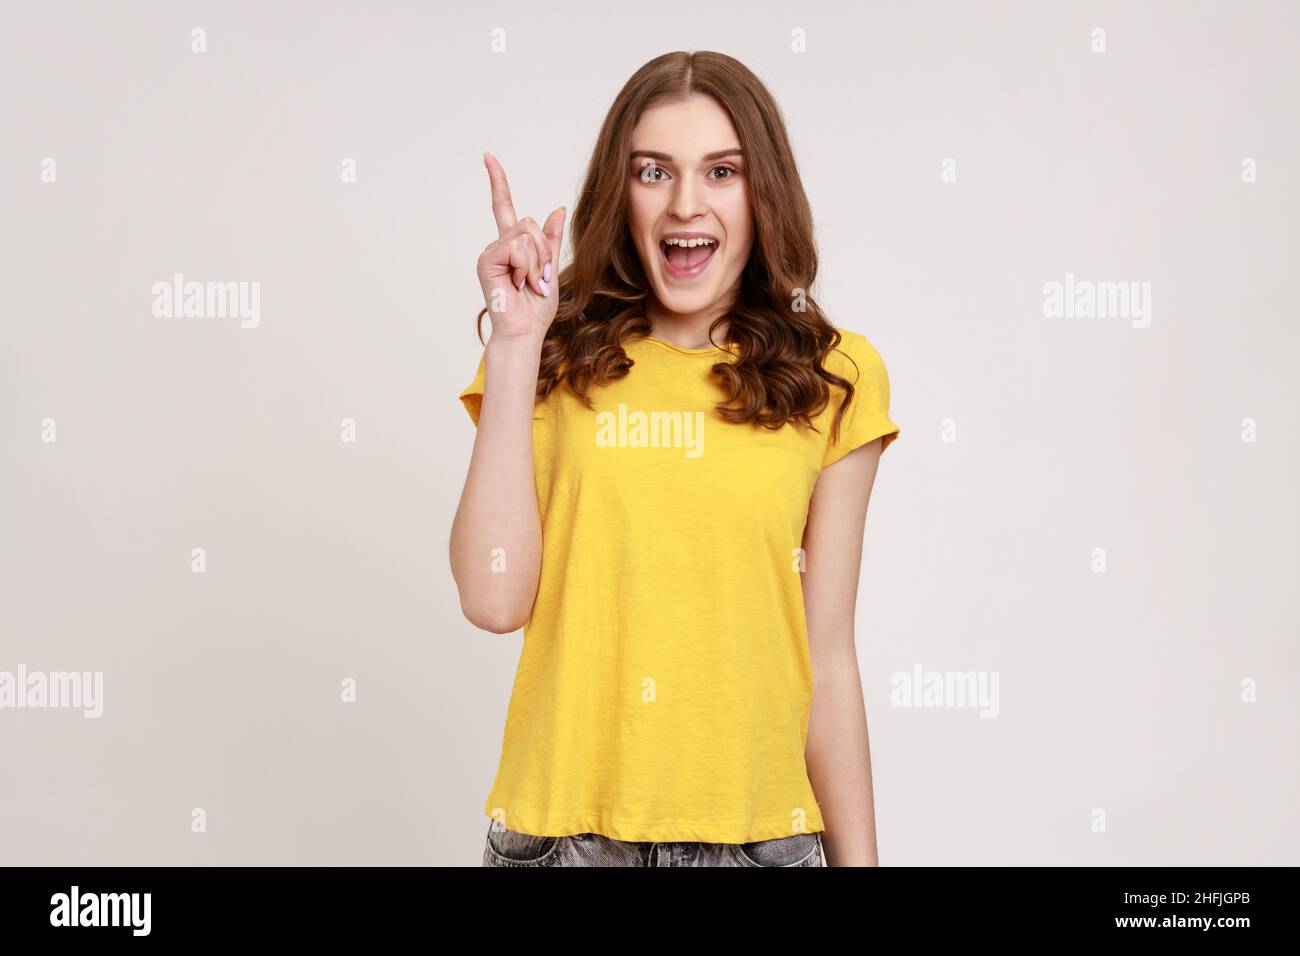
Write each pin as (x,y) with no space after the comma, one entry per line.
(683,349)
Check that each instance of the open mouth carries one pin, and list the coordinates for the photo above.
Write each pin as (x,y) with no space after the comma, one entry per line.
(685,261)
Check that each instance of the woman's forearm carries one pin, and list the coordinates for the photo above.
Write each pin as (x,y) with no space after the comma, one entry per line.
(496,537)
(839,760)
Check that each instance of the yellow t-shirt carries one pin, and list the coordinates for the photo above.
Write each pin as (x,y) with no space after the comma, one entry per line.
(664,685)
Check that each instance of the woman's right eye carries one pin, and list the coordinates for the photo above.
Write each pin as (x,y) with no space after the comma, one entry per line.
(648,171)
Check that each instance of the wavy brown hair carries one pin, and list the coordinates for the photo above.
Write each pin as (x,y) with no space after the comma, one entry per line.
(780,333)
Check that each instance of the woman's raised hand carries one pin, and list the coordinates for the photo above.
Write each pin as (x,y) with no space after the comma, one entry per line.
(520,271)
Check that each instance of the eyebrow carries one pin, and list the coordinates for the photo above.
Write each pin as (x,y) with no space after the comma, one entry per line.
(709,157)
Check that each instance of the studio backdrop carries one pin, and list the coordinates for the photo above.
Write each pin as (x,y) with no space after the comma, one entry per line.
(228,627)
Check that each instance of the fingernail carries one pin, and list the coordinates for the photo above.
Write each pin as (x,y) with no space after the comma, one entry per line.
(546,289)
(546,273)
(521,283)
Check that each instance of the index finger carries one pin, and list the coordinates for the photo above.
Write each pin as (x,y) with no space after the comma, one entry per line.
(503,210)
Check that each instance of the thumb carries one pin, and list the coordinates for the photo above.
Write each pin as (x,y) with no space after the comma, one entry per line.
(553,229)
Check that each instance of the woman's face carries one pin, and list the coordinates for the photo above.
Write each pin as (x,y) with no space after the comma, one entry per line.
(687,175)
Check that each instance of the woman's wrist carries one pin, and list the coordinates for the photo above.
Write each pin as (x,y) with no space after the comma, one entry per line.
(521,347)
(512,363)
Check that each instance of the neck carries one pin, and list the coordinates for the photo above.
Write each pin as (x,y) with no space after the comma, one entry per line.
(689,330)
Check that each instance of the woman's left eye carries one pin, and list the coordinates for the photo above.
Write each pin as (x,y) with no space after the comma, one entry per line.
(723,169)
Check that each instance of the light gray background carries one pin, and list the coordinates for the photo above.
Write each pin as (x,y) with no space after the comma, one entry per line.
(1119,691)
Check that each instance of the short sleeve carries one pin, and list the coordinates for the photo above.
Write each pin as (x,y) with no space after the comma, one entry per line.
(867,417)
(472,396)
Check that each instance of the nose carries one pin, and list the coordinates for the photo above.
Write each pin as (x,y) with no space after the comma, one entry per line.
(687,203)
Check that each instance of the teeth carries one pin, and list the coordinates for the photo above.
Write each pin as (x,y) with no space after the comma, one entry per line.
(688,243)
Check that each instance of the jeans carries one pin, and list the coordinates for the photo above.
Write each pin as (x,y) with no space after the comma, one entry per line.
(509,848)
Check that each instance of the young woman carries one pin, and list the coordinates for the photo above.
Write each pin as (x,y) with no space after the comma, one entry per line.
(668,492)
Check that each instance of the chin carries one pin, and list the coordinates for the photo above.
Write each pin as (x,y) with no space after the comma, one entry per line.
(685,302)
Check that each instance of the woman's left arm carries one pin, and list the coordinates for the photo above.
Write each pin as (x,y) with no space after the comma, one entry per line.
(837,753)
